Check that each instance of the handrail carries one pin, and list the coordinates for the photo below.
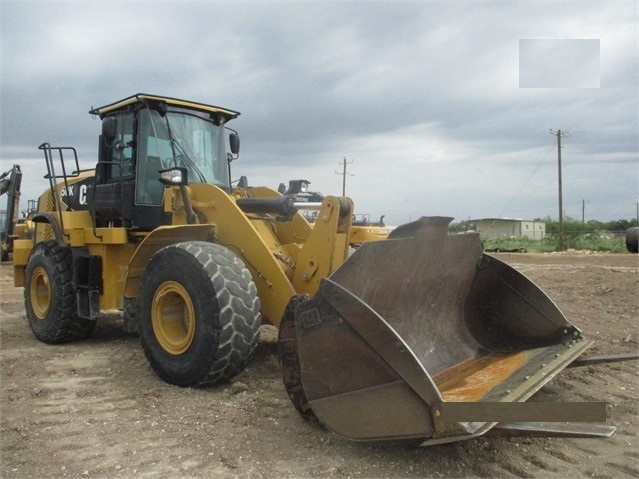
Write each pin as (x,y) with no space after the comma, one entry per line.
(51,175)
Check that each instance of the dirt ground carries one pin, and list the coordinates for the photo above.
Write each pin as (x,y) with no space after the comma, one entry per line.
(95,409)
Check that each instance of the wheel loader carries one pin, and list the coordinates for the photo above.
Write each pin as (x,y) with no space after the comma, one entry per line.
(419,335)
(362,230)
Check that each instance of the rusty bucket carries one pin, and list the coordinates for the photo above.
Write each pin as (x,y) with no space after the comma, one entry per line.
(422,335)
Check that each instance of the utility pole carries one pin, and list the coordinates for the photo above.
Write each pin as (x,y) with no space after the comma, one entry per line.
(559,134)
(343,173)
(583,211)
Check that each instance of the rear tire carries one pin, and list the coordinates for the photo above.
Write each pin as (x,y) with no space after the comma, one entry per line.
(199,314)
(50,296)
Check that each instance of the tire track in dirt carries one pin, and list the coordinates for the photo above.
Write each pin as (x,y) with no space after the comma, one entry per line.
(95,409)
(616,386)
(83,396)
(85,390)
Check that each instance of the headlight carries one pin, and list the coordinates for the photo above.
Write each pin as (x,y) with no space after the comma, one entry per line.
(174,176)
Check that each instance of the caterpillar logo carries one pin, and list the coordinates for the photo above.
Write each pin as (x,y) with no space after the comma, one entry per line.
(76,195)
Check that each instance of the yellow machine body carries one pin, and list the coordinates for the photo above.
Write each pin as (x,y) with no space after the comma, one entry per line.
(285,258)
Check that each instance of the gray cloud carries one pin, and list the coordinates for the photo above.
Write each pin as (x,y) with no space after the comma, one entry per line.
(424,97)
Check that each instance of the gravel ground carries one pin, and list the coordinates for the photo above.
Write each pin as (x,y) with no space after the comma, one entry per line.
(94,408)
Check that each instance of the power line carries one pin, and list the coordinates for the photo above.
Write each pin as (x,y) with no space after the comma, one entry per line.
(344,173)
(559,135)
(523,184)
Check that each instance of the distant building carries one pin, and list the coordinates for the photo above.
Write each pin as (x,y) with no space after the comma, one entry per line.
(505,228)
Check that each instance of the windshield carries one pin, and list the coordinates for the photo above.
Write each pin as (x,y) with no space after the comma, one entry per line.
(181,138)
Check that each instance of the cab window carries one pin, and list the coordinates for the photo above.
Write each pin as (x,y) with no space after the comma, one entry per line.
(120,163)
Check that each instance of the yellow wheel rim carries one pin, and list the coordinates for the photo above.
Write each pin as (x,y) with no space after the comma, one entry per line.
(40,291)
(173,317)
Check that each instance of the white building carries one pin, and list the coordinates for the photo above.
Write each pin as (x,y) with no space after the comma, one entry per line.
(505,228)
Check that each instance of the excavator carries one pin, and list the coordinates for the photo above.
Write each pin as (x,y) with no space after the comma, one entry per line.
(10,182)
(418,335)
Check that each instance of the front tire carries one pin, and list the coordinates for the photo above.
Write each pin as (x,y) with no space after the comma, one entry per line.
(289,360)
(50,296)
(199,314)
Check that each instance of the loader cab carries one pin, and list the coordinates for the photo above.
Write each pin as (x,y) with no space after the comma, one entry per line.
(145,135)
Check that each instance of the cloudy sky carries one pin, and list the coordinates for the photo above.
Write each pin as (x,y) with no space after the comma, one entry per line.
(439,108)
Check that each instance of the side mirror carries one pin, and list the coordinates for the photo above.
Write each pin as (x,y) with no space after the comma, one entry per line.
(234,142)
(109,128)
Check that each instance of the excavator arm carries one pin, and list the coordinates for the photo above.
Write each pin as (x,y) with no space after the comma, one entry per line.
(10,182)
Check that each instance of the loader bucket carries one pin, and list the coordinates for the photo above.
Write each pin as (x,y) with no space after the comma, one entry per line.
(409,326)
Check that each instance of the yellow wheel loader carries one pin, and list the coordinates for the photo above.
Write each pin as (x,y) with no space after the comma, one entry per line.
(419,335)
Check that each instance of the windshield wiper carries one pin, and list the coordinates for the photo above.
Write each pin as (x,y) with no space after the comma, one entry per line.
(183,153)
(188,160)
